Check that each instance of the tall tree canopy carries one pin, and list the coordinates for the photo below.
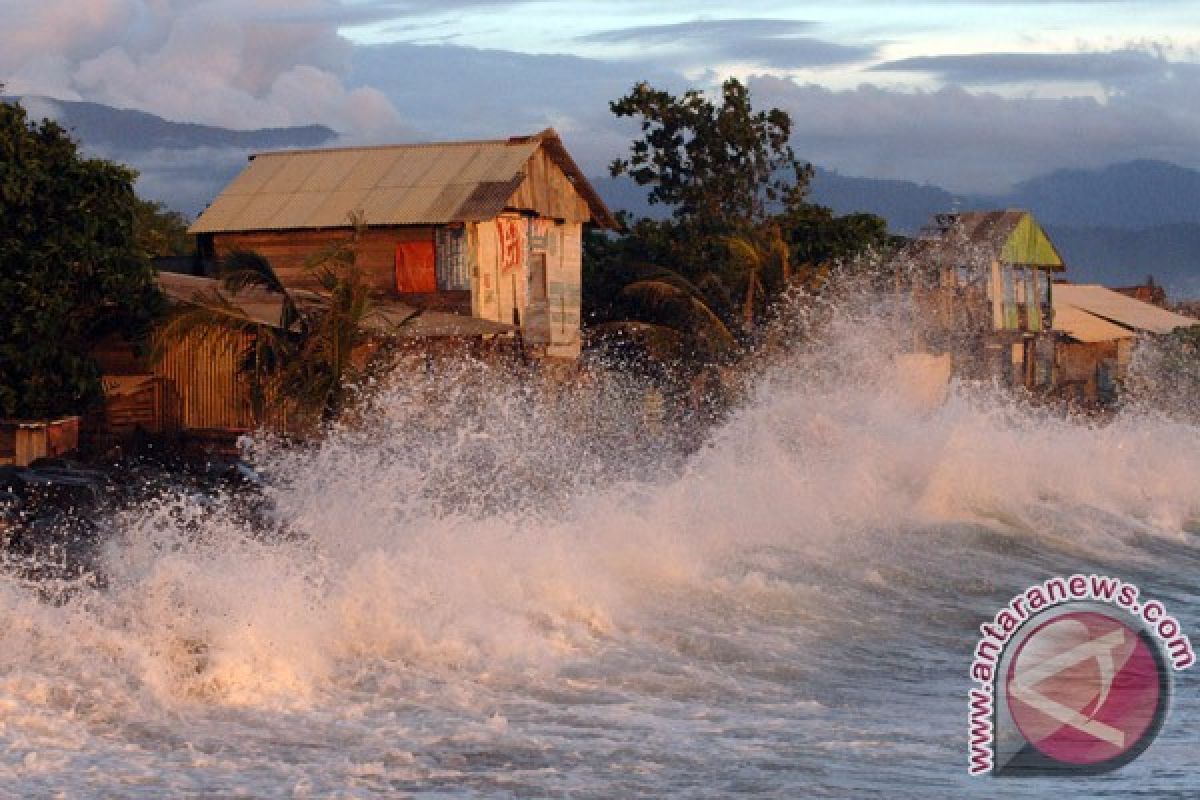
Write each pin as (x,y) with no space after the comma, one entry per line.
(717,163)
(70,266)
(741,233)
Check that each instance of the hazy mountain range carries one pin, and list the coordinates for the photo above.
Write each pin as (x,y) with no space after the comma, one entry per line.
(1114,225)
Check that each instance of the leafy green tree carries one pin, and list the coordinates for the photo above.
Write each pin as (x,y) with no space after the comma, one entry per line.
(161,231)
(816,238)
(716,164)
(70,266)
(740,232)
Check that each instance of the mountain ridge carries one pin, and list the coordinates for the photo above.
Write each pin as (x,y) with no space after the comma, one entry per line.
(1114,224)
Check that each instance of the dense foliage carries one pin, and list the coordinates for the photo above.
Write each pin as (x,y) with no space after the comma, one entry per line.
(694,288)
(71,268)
(160,231)
(305,365)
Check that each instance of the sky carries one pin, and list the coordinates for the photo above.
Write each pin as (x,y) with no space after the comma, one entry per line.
(971,96)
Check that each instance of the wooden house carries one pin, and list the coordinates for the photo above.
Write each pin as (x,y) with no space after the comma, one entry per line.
(982,291)
(488,229)
(1097,330)
(196,387)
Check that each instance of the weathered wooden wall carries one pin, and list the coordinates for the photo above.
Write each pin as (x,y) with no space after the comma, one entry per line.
(1077,368)
(566,292)
(548,192)
(287,251)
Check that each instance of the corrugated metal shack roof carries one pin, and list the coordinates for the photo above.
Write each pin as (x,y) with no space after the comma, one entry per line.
(406,184)
(1084,327)
(388,316)
(1011,236)
(1114,307)
(256,305)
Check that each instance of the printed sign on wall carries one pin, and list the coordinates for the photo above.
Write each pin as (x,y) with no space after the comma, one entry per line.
(512,243)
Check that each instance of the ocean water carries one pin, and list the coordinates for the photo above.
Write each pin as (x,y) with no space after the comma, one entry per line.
(477,591)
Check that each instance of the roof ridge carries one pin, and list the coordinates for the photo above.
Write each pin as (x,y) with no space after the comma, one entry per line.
(512,141)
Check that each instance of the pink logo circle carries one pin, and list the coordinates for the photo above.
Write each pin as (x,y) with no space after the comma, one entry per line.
(1084,688)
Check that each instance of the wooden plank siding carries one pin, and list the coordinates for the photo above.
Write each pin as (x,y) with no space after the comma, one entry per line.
(548,192)
(287,251)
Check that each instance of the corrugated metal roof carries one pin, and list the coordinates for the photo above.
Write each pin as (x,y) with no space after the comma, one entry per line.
(1117,308)
(1011,235)
(387,316)
(1084,327)
(257,305)
(409,184)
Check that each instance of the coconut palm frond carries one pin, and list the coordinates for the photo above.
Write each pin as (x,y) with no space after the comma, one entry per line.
(667,305)
(245,269)
(744,251)
(210,318)
(657,296)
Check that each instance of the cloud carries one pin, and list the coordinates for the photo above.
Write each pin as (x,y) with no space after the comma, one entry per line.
(982,69)
(449,91)
(981,141)
(770,43)
(243,64)
(704,29)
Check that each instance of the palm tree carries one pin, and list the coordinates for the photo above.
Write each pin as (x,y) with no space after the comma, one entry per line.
(213,317)
(308,357)
(766,259)
(335,324)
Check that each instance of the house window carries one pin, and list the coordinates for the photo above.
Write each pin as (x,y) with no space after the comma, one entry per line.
(452,270)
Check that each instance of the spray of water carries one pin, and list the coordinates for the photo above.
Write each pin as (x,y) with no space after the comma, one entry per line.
(470,542)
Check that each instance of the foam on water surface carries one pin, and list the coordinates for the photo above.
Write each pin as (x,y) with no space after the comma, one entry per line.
(500,595)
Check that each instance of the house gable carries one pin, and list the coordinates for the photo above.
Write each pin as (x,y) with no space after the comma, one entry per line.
(1028,245)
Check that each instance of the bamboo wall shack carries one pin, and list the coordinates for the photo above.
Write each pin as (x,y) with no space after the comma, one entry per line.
(982,291)
(486,229)
(196,387)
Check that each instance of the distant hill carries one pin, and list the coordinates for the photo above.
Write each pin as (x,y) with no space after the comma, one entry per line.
(1136,194)
(98,125)
(904,204)
(1121,256)
(1132,195)
(181,164)
(1114,225)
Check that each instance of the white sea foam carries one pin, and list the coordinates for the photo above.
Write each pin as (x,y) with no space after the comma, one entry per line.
(481,589)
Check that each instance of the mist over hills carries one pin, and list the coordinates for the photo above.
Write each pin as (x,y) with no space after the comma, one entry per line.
(97,125)
(182,164)
(1115,225)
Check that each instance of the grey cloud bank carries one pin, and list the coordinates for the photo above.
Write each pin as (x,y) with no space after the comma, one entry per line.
(271,63)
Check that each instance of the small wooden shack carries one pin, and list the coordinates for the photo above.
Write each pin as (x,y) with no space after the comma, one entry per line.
(24,441)
(196,386)
(1098,328)
(981,283)
(490,229)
